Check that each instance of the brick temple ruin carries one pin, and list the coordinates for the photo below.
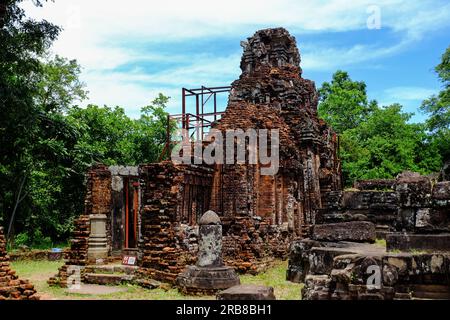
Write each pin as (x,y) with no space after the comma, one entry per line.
(151,211)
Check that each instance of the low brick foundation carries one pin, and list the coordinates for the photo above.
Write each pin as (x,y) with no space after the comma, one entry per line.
(11,287)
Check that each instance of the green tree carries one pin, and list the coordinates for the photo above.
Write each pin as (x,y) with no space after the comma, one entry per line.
(47,144)
(438,108)
(343,102)
(385,145)
(59,86)
(105,134)
(151,137)
(23,43)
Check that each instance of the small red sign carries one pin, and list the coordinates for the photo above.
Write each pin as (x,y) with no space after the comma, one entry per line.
(129,261)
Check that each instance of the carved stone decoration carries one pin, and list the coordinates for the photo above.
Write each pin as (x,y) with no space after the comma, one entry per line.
(210,244)
(209,275)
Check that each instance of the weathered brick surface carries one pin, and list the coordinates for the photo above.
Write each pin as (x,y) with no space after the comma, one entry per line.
(250,244)
(165,249)
(11,287)
(358,231)
(271,94)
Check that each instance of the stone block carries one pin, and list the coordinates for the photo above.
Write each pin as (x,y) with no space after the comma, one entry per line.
(413,189)
(347,231)
(356,199)
(247,292)
(375,184)
(427,242)
(298,265)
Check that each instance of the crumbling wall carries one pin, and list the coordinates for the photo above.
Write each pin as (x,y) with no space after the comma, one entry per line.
(11,287)
(77,254)
(97,201)
(413,204)
(167,247)
(250,244)
(416,214)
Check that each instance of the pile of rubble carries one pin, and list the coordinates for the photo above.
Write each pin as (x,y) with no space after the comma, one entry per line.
(11,287)
(415,216)
(164,251)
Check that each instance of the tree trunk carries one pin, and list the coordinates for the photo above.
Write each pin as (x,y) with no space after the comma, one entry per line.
(3,5)
(13,215)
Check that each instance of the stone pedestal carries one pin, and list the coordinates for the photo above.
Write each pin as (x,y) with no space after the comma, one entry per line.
(209,275)
(206,280)
(98,244)
(247,292)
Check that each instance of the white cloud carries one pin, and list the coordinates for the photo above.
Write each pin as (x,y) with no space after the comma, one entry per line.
(328,58)
(408,93)
(137,88)
(92,29)
(410,97)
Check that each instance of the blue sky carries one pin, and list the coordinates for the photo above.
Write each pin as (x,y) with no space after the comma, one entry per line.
(132,50)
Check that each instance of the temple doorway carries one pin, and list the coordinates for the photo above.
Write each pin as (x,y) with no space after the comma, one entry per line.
(131,208)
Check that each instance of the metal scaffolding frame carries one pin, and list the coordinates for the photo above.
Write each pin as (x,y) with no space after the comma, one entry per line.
(196,122)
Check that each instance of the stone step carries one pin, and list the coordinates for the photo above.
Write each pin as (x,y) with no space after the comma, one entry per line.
(431,291)
(110,269)
(107,279)
(148,283)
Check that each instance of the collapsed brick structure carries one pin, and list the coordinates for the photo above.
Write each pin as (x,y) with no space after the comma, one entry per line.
(97,202)
(152,211)
(77,254)
(413,217)
(11,287)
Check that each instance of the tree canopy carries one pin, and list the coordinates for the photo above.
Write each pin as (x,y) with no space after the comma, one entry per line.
(343,102)
(48,142)
(49,137)
(376,142)
(438,107)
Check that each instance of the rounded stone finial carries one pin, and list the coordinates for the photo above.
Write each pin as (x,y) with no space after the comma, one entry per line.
(210,217)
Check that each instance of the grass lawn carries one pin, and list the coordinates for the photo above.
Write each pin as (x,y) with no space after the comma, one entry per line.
(38,273)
